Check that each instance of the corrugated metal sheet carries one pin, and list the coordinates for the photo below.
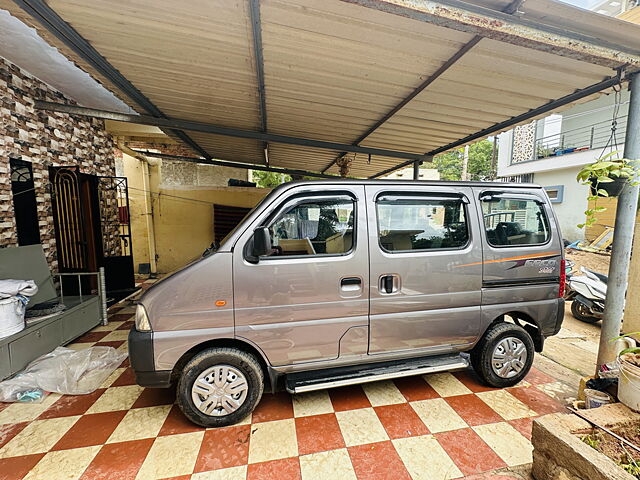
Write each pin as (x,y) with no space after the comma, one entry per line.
(332,70)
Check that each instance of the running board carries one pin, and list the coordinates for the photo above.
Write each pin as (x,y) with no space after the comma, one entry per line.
(373,372)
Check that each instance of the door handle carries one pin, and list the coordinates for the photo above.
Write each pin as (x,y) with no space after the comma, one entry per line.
(350,281)
(387,283)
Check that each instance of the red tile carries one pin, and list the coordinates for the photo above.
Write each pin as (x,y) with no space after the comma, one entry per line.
(285,469)
(524,426)
(473,410)
(10,430)
(377,461)
(125,363)
(536,377)
(121,317)
(415,388)
(94,429)
(223,448)
(472,381)
(401,421)
(469,452)
(113,309)
(68,405)
(153,397)
(537,400)
(91,337)
(126,378)
(118,461)
(177,423)
(125,326)
(348,398)
(15,468)
(276,406)
(111,343)
(318,433)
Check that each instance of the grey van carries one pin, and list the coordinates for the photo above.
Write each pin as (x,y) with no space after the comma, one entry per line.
(333,283)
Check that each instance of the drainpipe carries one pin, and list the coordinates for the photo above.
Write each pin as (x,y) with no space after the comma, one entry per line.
(623,234)
(148,205)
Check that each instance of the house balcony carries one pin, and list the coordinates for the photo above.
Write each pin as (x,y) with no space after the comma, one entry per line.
(566,149)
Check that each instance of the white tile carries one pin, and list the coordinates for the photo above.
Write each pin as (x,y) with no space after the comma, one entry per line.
(438,415)
(446,384)
(312,403)
(334,464)
(38,437)
(506,405)
(507,442)
(63,464)
(171,456)
(232,473)
(273,440)
(361,426)
(425,459)
(383,393)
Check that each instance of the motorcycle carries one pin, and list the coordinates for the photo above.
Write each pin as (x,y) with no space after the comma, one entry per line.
(587,294)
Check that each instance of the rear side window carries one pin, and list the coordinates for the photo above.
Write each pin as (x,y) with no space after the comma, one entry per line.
(421,223)
(514,221)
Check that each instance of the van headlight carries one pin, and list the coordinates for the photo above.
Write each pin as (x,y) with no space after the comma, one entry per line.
(142,320)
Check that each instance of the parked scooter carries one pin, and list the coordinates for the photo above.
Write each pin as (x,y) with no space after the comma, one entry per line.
(587,293)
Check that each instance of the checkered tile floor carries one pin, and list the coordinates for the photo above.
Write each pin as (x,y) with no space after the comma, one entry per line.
(431,427)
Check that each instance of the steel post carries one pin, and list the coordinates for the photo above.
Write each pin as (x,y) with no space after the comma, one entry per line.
(416,170)
(623,235)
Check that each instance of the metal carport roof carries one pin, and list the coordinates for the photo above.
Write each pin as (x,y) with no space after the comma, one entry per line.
(412,76)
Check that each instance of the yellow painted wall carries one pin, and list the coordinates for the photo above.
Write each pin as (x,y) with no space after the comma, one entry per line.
(182,216)
(139,235)
(184,220)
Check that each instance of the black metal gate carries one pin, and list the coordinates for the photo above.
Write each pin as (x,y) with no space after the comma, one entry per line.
(92,228)
(115,225)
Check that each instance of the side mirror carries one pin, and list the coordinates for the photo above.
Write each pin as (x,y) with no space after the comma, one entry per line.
(261,242)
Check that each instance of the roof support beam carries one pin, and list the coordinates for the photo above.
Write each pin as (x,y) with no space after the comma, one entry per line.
(256,28)
(510,9)
(225,131)
(50,20)
(504,27)
(499,127)
(245,166)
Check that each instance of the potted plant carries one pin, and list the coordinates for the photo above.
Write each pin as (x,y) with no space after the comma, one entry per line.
(606,178)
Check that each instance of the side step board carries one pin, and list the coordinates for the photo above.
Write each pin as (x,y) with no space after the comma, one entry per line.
(373,372)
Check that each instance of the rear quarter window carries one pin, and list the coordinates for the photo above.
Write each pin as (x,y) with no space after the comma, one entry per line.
(514,221)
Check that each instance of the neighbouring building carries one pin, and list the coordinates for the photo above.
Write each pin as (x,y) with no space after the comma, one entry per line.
(551,152)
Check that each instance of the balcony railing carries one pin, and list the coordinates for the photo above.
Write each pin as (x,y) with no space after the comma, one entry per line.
(579,139)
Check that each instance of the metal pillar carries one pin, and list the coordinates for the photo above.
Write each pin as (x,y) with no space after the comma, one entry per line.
(623,235)
(416,170)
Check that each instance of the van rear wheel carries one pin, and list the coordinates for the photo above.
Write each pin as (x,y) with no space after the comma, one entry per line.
(504,355)
(220,387)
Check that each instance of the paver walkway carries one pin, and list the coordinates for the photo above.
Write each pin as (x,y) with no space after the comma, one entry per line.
(426,427)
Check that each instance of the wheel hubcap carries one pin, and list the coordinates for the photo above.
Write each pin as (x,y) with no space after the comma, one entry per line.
(509,357)
(219,390)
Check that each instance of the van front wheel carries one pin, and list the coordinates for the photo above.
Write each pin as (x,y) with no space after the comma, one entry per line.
(220,387)
(504,355)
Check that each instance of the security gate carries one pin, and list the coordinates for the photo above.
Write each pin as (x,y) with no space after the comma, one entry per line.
(92,228)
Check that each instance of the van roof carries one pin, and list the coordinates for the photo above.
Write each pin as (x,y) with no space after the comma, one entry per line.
(444,183)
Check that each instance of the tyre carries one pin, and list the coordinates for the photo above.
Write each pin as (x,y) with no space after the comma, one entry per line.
(504,355)
(220,387)
(580,311)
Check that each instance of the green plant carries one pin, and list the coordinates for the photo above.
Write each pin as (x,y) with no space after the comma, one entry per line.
(633,350)
(591,440)
(603,170)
